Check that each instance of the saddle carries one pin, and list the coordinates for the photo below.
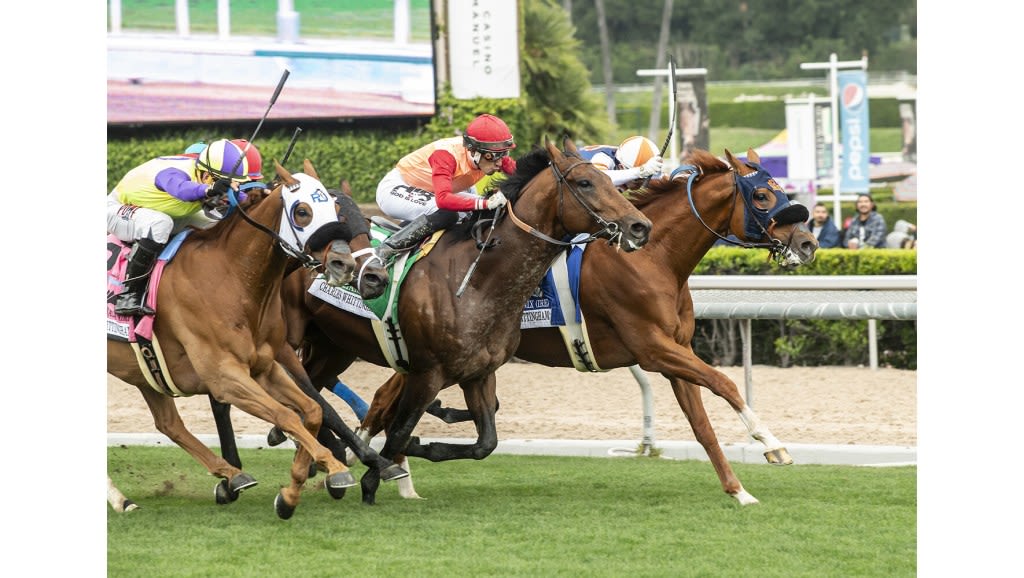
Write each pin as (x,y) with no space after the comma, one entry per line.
(138,331)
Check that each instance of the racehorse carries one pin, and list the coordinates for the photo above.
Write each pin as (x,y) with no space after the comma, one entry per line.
(460,304)
(220,324)
(370,281)
(638,309)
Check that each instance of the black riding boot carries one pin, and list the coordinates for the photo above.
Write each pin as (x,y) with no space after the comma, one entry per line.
(407,237)
(140,262)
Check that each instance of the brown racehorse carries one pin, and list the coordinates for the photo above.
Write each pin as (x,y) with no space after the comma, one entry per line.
(645,316)
(220,325)
(463,337)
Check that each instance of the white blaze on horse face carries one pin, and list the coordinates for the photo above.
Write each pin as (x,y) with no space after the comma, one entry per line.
(313,193)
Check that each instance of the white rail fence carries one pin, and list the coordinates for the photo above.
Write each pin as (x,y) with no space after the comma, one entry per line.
(749,297)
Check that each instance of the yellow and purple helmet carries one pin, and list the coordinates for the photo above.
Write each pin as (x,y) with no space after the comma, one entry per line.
(224,160)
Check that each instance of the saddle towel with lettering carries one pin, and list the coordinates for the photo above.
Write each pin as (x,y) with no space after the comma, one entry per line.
(555,303)
(138,331)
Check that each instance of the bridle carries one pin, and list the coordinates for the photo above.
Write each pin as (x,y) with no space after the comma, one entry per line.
(757,222)
(609,229)
(305,259)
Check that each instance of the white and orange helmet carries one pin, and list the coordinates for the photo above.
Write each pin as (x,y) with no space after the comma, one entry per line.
(635,151)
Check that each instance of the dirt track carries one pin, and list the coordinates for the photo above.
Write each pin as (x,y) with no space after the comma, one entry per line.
(826,405)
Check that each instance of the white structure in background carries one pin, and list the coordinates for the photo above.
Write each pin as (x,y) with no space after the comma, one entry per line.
(832,66)
(672,160)
(483,48)
(287,20)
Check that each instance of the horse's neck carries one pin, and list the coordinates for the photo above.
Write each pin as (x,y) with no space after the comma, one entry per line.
(679,231)
(251,254)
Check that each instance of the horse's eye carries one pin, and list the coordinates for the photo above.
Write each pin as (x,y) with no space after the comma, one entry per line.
(302,215)
(584,183)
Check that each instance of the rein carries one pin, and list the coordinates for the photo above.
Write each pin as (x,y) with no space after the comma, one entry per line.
(308,261)
(610,229)
(776,248)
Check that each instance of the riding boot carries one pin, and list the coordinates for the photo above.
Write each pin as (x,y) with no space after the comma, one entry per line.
(131,301)
(406,238)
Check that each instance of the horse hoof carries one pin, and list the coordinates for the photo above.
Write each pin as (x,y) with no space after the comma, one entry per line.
(778,457)
(393,472)
(242,481)
(283,510)
(276,437)
(337,482)
(128,506)
(223,494)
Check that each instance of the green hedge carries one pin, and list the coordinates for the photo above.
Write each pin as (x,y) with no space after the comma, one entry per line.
(771,114)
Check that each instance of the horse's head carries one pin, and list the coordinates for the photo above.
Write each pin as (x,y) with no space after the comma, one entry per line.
(595,207)
(372,277)
(769,215)
(310,219)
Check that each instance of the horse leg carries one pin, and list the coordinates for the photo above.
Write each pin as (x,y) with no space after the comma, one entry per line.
(333,423)
(225,431)
(276,409)
(168,422)
(117,500)
(415,395)
(380,412)
(688,396)
(482,403)
(720,384)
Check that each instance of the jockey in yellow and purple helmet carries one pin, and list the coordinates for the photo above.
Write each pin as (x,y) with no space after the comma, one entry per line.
(159,198)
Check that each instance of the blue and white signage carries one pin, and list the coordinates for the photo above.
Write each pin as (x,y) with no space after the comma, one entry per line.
(853,120)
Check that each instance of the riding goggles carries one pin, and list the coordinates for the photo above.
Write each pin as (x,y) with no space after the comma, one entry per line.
(493,156)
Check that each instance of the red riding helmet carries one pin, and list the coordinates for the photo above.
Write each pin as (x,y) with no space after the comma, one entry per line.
(253,157)
(488,133)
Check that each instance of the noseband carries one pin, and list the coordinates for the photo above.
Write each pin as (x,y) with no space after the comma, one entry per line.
(609,229)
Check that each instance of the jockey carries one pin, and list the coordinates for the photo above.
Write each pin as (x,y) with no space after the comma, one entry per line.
(159,198)
(430,186)
(634,159)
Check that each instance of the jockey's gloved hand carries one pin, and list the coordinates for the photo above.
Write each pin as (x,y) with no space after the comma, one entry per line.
(652,167)
(496,200)
(220,188)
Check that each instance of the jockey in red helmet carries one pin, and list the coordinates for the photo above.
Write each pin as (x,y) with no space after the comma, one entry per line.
(432,185)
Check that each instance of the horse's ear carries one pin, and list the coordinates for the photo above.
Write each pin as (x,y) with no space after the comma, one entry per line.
(307,167)
(570,146)
(345,187)
(286,178)
(753,157)
(553,150)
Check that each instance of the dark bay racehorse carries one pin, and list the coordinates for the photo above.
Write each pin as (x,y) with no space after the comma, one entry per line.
(638,309)
(220,324)
(464,337)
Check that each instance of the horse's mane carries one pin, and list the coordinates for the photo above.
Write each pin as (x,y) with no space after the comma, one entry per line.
(527,166)
(706,163)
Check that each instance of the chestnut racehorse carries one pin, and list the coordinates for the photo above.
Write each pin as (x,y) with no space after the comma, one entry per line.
(638,309)
(220,324)
(370,280)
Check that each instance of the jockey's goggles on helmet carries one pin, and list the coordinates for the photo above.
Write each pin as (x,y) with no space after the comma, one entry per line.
(493,156)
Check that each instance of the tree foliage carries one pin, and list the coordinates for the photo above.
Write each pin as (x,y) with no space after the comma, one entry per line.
(751,40)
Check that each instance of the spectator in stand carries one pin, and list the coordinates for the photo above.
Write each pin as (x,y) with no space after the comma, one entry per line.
(867,228)
(823,228)
(903,236)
